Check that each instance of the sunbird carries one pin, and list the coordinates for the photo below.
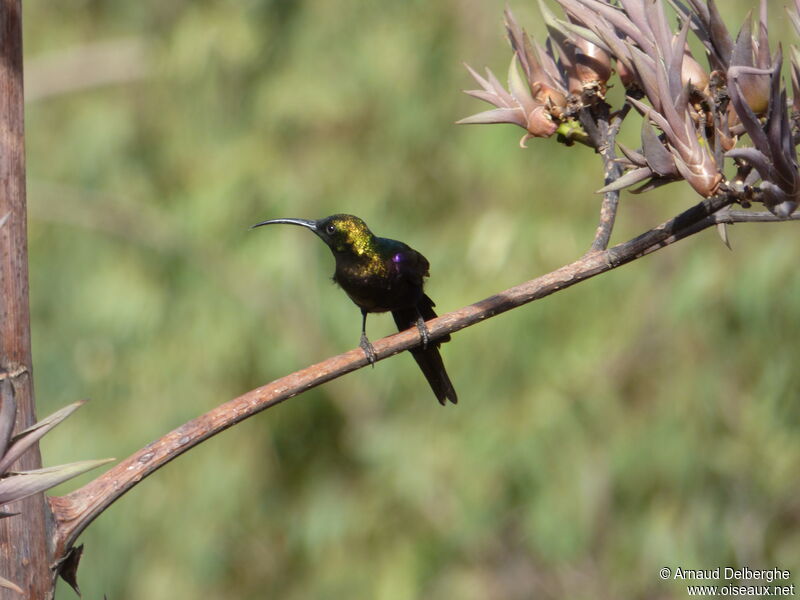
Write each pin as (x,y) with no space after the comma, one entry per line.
(382,275)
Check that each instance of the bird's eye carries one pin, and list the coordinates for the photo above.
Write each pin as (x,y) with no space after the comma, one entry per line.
(330,228)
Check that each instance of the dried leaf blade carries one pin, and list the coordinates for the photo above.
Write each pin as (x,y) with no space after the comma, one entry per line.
(26,438)
(630,178)
(27,483)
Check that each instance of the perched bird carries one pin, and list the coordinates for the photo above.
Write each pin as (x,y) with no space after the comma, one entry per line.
(381,275)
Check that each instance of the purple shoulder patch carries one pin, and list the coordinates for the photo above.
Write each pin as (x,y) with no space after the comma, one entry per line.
(397,258)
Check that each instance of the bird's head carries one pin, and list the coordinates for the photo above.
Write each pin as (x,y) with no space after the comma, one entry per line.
(342,233)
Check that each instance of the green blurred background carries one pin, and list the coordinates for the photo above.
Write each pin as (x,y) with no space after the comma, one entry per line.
(645,418)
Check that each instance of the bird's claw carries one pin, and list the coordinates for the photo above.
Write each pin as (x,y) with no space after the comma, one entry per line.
(423,332)
(368,349)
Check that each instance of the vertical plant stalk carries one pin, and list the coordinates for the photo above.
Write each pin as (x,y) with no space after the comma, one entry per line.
(611,172)
(23,538)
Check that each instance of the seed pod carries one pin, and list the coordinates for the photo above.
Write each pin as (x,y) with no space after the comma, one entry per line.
(692,73)
(754,86)
(593,63)
(755,90)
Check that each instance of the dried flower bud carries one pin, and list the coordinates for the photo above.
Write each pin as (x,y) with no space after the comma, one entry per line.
(755,90)
(693,74)
(754,83)
(553,98)
(539,69)
(539,123)
(593,64)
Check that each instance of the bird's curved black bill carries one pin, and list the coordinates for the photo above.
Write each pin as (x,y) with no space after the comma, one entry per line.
(312,225)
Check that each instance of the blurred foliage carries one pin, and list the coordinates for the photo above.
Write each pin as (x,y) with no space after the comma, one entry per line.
(646,418)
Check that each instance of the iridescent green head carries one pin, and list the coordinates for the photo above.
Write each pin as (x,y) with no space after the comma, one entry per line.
(342,233)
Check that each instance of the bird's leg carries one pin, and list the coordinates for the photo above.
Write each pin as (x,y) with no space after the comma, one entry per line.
(365,344)
(423,331)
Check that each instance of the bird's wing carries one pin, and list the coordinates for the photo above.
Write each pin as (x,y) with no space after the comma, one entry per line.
(407,262)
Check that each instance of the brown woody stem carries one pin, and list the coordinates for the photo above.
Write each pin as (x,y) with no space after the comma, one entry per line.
(24,554)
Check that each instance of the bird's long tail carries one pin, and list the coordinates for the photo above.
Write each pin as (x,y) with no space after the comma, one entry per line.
(429,360)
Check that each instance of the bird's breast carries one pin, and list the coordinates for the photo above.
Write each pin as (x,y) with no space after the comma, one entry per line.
(377,288)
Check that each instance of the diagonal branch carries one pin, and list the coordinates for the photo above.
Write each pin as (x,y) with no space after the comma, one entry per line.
(724,217)
(74,511)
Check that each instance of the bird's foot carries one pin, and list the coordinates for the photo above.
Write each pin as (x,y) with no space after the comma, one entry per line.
(423,332)
(368,349)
